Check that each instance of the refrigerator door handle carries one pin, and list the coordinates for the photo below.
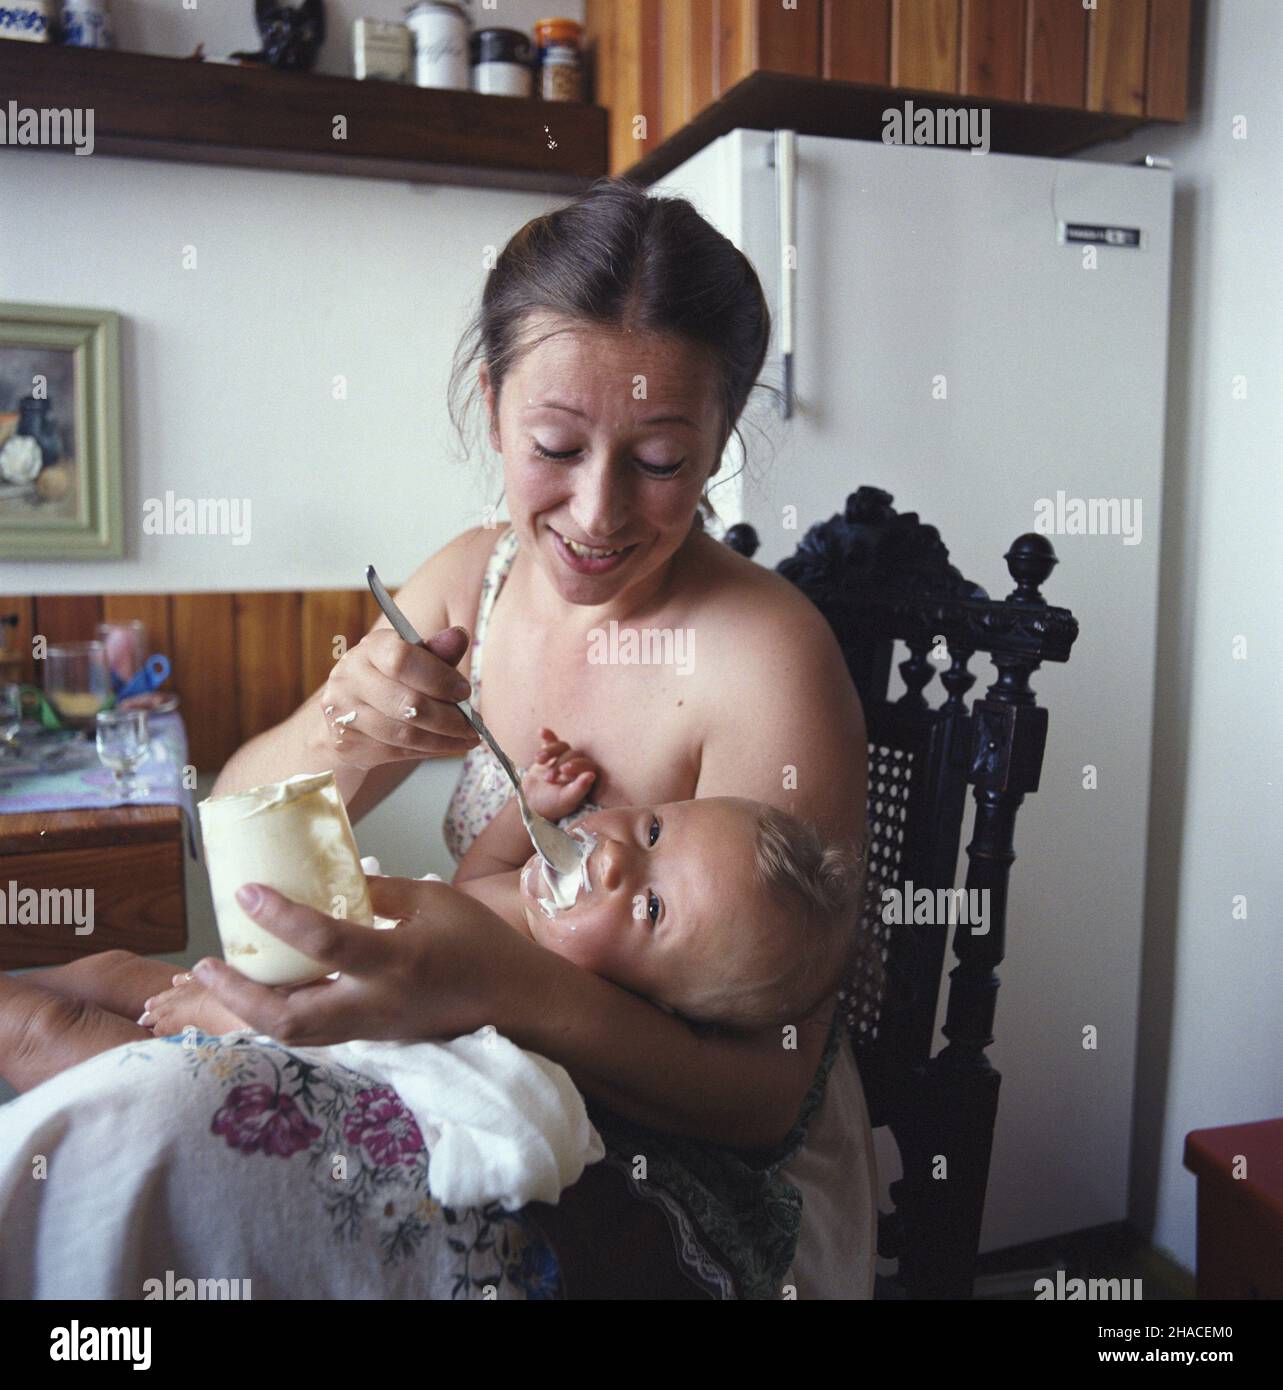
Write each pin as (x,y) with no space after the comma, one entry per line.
(785,162)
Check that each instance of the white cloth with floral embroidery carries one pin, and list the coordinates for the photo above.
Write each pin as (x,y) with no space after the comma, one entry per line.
(235,1167)
(500,1124)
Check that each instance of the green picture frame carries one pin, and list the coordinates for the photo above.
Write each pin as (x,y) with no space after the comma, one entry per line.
(72,508)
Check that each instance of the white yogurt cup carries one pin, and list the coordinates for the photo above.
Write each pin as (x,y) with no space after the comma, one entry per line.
(293,836)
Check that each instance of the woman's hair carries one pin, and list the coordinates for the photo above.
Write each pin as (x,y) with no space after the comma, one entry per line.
(620,258)
(818,888)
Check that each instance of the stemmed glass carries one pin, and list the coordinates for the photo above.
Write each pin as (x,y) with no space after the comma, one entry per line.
(123,738)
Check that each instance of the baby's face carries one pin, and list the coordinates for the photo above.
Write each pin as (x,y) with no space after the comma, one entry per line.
(673,897)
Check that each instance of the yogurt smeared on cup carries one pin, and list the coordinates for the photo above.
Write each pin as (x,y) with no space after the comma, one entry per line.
(295,836)
(563,888)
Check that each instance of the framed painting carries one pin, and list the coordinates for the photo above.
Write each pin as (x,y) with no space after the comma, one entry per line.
(60,460)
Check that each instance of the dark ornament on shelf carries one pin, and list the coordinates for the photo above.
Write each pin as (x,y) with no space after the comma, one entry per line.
(291,34)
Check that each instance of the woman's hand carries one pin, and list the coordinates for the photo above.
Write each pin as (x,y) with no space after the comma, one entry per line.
(449,967)
(386,700)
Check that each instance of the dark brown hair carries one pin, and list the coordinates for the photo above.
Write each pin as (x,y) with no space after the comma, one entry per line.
(621,258)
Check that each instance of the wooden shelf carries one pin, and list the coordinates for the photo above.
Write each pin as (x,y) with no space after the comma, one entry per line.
(853,111)
(148,107)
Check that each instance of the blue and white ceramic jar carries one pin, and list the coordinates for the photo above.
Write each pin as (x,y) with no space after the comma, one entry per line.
(86,24)
(26,19)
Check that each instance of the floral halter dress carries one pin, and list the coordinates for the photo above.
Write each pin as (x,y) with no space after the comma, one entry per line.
(483,788)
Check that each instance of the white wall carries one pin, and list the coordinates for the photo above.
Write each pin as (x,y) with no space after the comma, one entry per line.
(1211,999)
(227,370)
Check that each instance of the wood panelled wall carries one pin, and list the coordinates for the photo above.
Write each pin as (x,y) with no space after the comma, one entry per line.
(241,662)
(666,60)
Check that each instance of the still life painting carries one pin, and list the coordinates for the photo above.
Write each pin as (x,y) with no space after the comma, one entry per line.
(60,486)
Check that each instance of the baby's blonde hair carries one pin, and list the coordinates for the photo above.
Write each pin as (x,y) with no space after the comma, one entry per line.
(818,887)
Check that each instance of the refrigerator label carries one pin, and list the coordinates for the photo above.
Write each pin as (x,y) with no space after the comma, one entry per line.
(1103,236)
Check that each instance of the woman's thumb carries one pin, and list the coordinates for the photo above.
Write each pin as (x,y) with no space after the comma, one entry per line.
(398,897)
(449,645)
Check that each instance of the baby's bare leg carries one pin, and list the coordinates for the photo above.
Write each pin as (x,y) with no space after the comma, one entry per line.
(42,1033)
(118,981)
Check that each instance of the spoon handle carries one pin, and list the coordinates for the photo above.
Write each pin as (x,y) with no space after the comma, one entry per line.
(505,762)
(554,839)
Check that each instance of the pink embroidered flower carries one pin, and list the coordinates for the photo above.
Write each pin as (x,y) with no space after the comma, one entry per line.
(385,1128)
(250,1121)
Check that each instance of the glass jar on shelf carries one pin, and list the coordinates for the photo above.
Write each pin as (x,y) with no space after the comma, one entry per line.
(558,44)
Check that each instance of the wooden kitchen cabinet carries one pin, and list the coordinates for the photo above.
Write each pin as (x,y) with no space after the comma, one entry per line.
(657,65)
(126,861)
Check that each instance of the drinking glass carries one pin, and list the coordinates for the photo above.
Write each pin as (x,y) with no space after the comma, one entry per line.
(122,744)
(10,715)
(77,681)
(126,646)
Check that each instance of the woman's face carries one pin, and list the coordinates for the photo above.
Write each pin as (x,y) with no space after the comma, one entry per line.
(607,439)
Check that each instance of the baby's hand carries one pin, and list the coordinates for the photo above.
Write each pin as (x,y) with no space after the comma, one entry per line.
(558,780)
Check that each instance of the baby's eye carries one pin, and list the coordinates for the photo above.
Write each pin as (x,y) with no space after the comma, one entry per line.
(654,831)
(652,907)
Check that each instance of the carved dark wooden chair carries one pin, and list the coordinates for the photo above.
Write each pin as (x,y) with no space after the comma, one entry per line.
(880,577)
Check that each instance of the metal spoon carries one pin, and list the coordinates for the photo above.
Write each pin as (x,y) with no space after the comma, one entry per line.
(554,846)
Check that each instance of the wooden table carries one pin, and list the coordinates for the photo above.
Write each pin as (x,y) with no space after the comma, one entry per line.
(1240,1209)
(131,857)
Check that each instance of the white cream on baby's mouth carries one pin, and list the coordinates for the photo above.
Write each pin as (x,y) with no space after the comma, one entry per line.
(564,888)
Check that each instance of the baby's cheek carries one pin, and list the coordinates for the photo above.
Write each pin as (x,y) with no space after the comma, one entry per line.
(585,942)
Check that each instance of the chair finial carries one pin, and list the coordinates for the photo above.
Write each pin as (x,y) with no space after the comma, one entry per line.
(1029,562)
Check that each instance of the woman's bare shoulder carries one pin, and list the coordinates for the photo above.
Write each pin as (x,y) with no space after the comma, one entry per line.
(770,677)
(752,603)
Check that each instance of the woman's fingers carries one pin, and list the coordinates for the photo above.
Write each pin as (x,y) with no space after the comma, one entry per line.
(315,1013)
(259,1005)
(416,668)
(448,645)
(434,729)
(325,1011)
(388,698)
(337,943)
(403,898)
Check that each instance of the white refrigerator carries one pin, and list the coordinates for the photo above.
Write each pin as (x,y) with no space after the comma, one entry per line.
(985,337)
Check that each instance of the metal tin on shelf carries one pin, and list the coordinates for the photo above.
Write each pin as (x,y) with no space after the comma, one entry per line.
(440,29)
(501,62)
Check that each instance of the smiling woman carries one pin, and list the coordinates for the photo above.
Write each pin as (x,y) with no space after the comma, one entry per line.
(616,346)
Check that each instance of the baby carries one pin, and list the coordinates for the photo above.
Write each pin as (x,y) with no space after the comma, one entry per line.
(723,910)
(726,911)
